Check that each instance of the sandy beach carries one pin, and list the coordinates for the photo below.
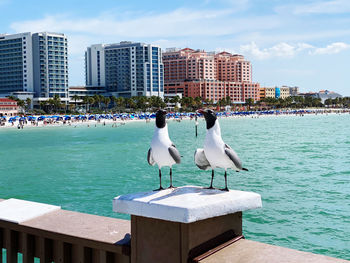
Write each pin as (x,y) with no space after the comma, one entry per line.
(21,122)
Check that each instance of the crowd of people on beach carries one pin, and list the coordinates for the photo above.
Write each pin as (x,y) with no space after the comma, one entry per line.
(103,119)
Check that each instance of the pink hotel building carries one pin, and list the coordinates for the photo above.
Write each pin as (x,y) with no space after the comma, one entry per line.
(210,76)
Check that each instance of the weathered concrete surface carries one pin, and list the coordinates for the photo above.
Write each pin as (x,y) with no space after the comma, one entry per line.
(186,204)
(95,228)
(247,251)
(17,211)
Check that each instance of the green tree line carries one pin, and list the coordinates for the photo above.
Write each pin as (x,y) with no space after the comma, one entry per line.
(100,104)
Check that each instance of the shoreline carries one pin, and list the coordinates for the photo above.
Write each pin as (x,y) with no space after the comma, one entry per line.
(58,120)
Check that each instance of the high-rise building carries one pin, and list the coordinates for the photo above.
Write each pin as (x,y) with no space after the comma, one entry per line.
(125,69)
(187,64)
(34,63)
(94,66)
(208,75)
(232,68)
(50,55)
(16,63)
(215,90)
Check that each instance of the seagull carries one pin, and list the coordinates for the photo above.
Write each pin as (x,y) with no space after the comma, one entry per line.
(162,152)
(216,153)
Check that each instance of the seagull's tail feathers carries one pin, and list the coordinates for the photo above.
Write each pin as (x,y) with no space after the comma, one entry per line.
(245,169)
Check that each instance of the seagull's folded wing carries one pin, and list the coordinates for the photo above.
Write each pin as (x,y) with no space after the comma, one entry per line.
(233,156)
(201,160)
(175,153)
(150,160)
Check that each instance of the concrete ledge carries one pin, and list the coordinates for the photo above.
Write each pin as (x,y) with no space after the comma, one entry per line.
(248,251)
(186,204)
(65,236)
(17,211)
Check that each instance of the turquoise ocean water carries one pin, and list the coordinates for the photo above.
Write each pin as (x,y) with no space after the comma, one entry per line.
(300,166)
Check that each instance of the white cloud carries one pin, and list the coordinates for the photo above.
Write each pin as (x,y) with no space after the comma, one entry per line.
(285,50)
(333,48)
(318,7)
(279,50)
(237,5)
(180,22)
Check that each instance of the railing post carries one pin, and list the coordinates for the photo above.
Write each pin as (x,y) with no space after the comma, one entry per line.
(11,246)
(1,243)
(78,255)
(45,250)
(58,251)
(99,256)
(177,225)
(27,248)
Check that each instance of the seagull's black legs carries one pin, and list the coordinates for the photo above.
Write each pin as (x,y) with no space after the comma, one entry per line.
(171,178)
(225,189)
(160,181)
(212,179)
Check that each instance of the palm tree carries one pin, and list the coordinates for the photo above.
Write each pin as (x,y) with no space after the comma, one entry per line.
(75,98)
(106,101)
(86,102)
(113,100)
(166,100)
(120,102)
(56,102)
(21,103)
(91,101)
(249,102)
(28,103)
(141,102)
(198,102)
(188,102)
(96,99)
(289,101)
(328,102)
(42,105)
(175,99)
(130,103)
(12,97)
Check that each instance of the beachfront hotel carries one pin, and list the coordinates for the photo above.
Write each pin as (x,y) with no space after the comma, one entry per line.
(34,65)
(208,75)
(125,69)
(232,67)
(8,107)
(278,92)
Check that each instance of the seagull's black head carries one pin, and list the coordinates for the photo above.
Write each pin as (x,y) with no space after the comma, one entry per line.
(210,117)
(160,118)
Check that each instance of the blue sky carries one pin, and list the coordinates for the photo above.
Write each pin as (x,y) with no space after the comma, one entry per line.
(295,43)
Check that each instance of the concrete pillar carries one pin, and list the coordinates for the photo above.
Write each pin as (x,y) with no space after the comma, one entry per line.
(176,225)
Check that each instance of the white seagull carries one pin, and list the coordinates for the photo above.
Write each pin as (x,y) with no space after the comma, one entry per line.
(162,152)
(216,153)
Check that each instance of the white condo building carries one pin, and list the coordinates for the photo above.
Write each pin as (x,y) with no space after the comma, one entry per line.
(35,64)
(125,69)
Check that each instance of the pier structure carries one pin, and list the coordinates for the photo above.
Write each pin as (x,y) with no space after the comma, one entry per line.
(185,224)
